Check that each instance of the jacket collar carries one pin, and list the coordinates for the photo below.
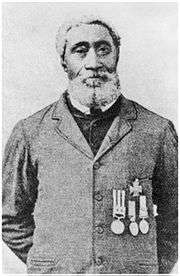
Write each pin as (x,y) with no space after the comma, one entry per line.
(85,109)
(67,127)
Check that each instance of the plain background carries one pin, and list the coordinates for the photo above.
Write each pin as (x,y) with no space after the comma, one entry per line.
(33,77)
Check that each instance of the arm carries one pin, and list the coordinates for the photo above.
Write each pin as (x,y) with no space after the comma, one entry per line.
(165,195)
(19,194)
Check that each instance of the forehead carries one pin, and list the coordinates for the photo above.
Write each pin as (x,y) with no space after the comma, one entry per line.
(89,33)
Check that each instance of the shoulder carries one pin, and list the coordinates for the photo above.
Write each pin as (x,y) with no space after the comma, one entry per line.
(27,130)
(149,118)
(40,116)
(30,126)
(154,124)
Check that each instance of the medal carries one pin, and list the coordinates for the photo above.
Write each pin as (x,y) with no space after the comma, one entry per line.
(143,213)
(136,189)
(133,227)
(117,227)
(144,226)
(119,211)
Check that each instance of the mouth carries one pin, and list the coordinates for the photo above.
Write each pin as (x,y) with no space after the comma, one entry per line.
(100,77)
(94,77)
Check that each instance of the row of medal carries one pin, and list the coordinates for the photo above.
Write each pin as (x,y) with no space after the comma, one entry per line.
(119,211)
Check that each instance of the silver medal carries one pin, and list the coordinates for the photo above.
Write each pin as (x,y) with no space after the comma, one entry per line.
(144,226)
(133,226)
(119,211)
(134,229)
(143,214)
(117,227)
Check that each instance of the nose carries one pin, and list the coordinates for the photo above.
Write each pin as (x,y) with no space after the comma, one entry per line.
(91,61)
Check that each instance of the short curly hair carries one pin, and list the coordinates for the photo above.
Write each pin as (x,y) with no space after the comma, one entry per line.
(61,40)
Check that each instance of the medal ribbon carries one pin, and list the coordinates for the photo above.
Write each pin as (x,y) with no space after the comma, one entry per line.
(143,208)
(132,211)
(119,209)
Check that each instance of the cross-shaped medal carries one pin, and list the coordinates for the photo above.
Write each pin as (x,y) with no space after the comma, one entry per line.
(136,189)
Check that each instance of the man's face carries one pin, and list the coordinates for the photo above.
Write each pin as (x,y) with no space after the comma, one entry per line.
(90,59)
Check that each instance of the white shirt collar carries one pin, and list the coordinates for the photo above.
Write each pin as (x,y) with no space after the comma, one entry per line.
(85,109)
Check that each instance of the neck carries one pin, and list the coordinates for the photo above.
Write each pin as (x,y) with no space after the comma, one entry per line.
(85,109)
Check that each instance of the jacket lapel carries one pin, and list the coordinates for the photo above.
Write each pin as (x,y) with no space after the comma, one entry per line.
(68,129)
(120,127)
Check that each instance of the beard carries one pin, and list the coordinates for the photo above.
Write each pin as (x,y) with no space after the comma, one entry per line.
(95,89)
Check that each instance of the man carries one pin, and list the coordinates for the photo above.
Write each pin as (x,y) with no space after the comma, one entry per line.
(82,176)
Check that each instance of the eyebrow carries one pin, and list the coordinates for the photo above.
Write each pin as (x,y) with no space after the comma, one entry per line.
(79,44)
(100,42)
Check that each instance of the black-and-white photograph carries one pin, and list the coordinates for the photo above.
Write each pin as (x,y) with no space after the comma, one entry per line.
(90,100)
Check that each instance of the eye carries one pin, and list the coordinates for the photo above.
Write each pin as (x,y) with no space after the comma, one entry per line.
(80,50)
(103,50)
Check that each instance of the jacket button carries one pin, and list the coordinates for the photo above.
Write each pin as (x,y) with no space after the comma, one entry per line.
(98,196)
(99,229)
(96,165)
(99,261)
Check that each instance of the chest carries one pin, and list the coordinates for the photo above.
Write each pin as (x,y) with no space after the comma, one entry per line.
(66,174)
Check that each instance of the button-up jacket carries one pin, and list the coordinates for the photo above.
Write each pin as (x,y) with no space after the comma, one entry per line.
(58,196)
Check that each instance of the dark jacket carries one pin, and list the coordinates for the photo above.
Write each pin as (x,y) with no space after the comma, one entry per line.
(57,197)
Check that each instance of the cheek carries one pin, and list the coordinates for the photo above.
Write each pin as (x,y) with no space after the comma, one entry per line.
(73,67)
(110,65)
(110,62)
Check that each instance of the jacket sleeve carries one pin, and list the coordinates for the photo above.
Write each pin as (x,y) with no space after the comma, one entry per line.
(19,192)
(165,194)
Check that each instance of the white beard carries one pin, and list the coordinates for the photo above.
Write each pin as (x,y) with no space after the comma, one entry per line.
(96,92)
